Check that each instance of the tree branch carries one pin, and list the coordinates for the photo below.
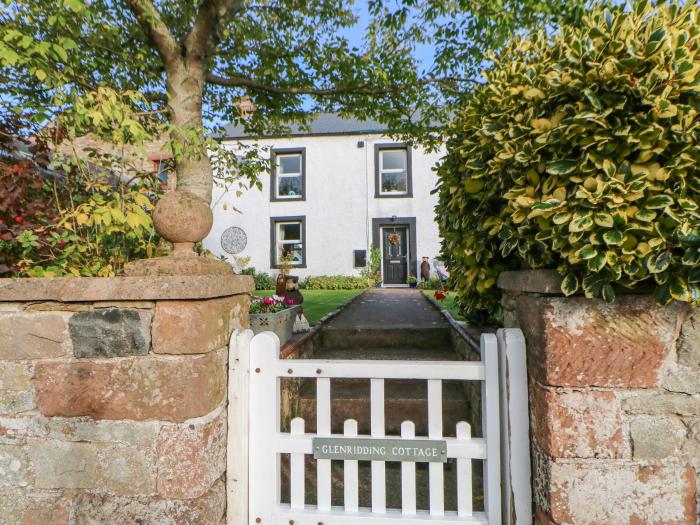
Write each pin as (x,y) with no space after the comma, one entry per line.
(257,85)
(157,32)
(211,16)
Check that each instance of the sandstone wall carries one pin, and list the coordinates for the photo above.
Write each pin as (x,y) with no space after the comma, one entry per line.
(614,402)
(112,398)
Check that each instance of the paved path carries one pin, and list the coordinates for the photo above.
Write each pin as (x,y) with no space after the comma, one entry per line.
(398,324)
(389,308)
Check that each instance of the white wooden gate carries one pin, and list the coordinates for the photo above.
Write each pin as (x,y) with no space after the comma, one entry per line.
(266,442)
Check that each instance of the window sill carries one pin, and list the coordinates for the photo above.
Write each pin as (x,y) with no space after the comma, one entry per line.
(295,199)
(290,268)
(392,196)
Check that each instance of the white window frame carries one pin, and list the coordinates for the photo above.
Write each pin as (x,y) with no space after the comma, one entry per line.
(279,242)
(279,175)
(405,171)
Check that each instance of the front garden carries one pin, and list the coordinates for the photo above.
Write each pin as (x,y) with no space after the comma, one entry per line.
(318,303)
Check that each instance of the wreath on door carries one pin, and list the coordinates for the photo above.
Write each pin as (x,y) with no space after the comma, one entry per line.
(394,238)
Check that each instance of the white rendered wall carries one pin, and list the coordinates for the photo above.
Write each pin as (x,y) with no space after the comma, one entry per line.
(339,205)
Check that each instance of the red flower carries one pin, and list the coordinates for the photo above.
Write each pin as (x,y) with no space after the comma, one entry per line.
(268,300)
(19,219)
(439,295)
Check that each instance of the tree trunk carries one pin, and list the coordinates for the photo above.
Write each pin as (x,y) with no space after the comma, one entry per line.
(185,86)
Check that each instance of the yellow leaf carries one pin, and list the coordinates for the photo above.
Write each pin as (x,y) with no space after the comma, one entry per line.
(40,74)
(534,93)
(82,218)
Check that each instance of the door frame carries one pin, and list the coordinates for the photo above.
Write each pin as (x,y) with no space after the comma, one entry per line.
(407,222)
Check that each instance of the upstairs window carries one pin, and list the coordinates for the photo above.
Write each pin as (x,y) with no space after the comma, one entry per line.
(288,241)
(288,174)
(392,171)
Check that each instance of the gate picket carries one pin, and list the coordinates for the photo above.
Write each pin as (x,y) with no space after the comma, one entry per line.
(436,473)
(323,428)
(350,472)
(377,430)
(297,476)
(408,474)
(464,474)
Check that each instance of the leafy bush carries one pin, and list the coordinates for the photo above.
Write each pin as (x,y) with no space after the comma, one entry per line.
(263,281)
(431,284)
(336,282)
(582,153)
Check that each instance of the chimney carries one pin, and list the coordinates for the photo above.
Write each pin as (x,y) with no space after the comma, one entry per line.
(246,106)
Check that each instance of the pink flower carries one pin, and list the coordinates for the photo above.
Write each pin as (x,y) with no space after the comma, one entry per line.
(268,300)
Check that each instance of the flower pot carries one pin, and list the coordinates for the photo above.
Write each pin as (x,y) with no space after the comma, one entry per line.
(281,323)
(413,285)
(378,285)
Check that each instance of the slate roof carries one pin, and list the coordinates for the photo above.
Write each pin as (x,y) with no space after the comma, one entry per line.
(323,124)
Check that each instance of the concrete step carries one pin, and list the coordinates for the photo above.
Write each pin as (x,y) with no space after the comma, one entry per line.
(403,400)
(389,337)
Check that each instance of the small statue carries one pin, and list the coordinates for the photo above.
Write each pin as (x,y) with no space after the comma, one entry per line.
(292,297)
(425,270)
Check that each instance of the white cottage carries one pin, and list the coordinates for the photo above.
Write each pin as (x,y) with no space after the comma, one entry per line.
(333,193)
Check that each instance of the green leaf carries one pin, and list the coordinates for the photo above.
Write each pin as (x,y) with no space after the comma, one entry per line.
(658,202)
(604,220)
(678,288)
(597,263)
(581,224)
(607,293)
(569,284)
(613,237)
(658,262)
(587,252)
(561,167)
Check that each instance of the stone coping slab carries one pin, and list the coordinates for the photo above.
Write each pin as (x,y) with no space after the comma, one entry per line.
(531,281)
(147,288)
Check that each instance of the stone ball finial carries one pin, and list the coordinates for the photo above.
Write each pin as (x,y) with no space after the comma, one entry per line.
(182,217)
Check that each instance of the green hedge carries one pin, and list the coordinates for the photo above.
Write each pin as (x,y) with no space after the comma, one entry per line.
(263,281)
(335,282)
(581,152)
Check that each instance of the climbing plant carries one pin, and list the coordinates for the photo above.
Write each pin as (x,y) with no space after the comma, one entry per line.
(581,152)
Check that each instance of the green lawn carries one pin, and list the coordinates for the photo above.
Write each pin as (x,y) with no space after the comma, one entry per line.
(318,303)
(449,303)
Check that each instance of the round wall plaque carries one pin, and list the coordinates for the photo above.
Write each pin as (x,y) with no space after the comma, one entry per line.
(233,240)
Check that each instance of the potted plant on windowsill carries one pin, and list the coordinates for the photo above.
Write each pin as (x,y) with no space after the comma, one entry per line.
(412,281)
(273,315)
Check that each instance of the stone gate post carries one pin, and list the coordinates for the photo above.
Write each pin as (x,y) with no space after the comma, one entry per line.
(112,397)
(614,404)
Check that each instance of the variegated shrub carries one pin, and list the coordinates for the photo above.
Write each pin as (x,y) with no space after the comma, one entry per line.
(581,152)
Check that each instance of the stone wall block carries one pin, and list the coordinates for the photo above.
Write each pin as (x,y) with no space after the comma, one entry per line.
(577,342)
(33,336)
(98,507)
(689,341)
(194,327)
(657,437)
(113,467)
(661,403)
(191,456)
(579,424)
(14,467)
(16,390)
(139,388)
(621,493)
(111,332)
(34,507)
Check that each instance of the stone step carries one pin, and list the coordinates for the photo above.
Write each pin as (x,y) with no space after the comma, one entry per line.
(390,353)
(403,400)
(389,337)
(393,484)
